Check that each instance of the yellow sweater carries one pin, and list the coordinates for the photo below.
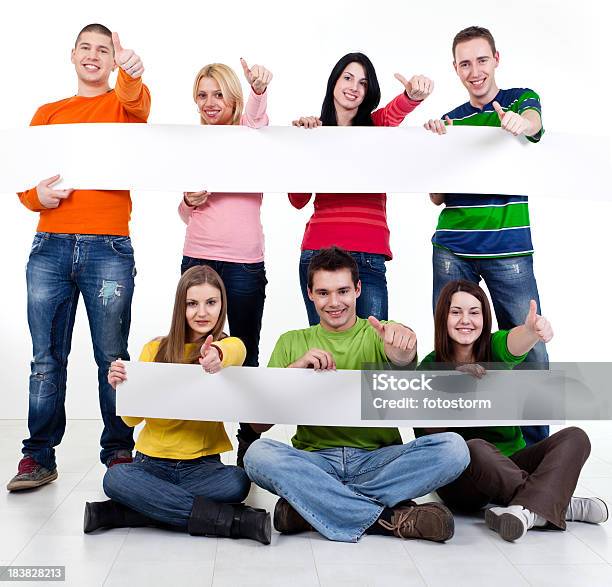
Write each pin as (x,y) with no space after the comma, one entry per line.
(185,439)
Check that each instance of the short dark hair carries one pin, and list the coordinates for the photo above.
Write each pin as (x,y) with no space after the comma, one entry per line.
(474,32)
(94,28)
(332,259)
(363,117)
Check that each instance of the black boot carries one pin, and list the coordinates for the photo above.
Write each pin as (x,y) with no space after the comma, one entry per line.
(210,518)
(112,514)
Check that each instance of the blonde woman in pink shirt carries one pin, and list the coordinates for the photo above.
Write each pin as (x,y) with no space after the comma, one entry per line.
(224,230)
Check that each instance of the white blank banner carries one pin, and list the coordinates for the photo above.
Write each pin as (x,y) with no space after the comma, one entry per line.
(287,159)
(259,395)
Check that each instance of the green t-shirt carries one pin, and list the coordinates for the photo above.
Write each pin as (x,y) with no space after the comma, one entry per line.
(351,349)
(508,439)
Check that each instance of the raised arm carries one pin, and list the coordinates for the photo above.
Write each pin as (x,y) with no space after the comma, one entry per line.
(130,91)
(400,341)
(521,339)
(529,123)
(415,91)
(258,77)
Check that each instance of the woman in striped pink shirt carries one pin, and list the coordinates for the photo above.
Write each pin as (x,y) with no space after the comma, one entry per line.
(356,222)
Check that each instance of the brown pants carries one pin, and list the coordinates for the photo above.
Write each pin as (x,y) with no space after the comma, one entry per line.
(541,477)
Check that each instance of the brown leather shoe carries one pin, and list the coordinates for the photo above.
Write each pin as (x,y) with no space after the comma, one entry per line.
(287,520)
(427,521)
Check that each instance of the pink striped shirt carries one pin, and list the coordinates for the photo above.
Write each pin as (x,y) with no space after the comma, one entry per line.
(227,227)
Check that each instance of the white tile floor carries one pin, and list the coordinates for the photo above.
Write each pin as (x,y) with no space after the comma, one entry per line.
(44,527)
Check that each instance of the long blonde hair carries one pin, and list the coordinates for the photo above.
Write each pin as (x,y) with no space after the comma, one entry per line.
(230,87)
(172,347)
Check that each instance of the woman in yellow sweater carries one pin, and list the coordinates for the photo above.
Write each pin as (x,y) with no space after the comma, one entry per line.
(177,478)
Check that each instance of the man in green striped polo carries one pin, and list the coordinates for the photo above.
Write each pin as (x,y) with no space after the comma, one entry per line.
(487,236)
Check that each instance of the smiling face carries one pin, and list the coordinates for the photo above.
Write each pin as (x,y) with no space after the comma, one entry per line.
(203,306)
(335,298)
(214,107)
(475,65)
(350,88)
(93,59)
(465,320)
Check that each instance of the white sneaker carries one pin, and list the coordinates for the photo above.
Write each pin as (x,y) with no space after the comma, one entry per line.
(512,522)
(587,509)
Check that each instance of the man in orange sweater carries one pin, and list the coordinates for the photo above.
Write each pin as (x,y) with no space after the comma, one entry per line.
(82,247)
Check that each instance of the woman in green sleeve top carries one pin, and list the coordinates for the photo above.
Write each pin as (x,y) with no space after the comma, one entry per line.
(533,484)
(177,478)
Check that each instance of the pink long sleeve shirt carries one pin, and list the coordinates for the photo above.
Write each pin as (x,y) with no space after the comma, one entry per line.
(227,227)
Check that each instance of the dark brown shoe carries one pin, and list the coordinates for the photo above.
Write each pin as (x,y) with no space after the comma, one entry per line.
(427,521)
(287,520)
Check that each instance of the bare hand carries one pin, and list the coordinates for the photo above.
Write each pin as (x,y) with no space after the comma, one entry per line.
(308,122)
(194,199)
(512,122)
(438,126)
(538,325)
(116,373)
(48,197)
(473,369)
(257,76)
(418,87)
(126,59)
(316,359)
(209,356)
(395,335)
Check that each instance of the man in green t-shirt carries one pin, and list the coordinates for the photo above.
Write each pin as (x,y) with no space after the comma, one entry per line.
(347,481)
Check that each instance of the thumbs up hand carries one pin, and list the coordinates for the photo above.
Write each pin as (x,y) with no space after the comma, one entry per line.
(210,359)
(512,122)
(126,59)
(538,325)
(400,341)
(257,76)
(418,87)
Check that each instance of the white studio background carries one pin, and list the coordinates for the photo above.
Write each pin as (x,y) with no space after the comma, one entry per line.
(560,50)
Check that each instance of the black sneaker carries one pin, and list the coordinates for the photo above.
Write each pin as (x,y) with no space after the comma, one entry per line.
(30,474)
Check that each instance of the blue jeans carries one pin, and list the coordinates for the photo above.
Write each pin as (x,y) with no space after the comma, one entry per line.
(342,491)
(245,284)
(512,285)
(60,268)
(373,300)
(164,489)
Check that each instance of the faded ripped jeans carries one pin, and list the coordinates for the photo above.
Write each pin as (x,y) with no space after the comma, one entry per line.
(60,268)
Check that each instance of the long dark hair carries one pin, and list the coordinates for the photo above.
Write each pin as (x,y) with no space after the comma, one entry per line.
(370,100)
(481,351)
(172,347)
